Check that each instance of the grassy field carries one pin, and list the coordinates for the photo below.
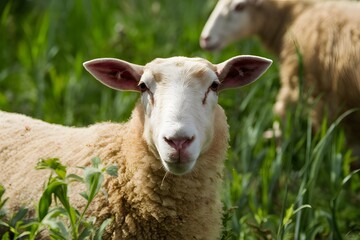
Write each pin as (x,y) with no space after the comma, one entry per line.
(296,187)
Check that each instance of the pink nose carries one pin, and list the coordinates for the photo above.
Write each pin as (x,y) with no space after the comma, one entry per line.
(204,41)
(179,143)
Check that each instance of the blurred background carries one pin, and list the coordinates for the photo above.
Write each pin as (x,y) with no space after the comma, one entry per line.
(296,187)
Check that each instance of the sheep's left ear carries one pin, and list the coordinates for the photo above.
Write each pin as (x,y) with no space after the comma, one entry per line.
(241,70)
(116,73)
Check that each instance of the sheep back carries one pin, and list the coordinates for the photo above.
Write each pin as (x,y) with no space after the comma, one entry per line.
(327,36)
(24,141)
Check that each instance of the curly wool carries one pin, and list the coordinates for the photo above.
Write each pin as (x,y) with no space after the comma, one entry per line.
(144,201)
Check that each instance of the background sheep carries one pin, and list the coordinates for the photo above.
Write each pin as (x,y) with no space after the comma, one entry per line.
(327,36)
(170,153)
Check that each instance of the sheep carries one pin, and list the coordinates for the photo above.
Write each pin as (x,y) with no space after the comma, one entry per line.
(325,33)
(170,153)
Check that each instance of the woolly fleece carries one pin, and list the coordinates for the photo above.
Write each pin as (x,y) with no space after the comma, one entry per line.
(144,201)
(327,35)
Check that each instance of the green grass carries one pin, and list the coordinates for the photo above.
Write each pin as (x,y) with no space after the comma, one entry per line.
(62,221)
(296,187)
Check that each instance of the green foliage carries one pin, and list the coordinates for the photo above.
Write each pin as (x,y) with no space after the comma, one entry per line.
(62,221)
(2,202)
(298,186)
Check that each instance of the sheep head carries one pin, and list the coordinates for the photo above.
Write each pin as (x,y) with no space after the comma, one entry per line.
(179,96)
(230,20)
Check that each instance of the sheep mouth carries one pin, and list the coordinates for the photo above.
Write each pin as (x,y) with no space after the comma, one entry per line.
(179,167)
(211,47)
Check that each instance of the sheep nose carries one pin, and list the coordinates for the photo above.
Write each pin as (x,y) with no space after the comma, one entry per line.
(179,143)
(204,40)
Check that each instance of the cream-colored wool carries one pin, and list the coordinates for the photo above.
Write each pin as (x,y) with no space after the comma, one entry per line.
(162,191)
(327,35)
(142,200)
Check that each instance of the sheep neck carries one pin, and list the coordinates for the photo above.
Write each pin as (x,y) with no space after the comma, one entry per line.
(169,204)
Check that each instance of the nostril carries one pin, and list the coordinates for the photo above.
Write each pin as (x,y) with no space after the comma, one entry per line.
(205,39)
(179,142)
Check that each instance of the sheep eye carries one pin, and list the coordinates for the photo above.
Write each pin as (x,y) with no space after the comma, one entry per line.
(215,86)
(143,88)
(239,7)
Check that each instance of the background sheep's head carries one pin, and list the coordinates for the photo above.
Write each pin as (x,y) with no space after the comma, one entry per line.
(179,96)
(230,20)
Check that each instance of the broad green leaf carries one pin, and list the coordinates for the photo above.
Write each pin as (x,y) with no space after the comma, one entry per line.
(5,236)
(53,164)
(288,215)
(75,178)
(85,233)
(93,180)
(84,195)
(100,231)
(2,223)
(2,190)
(43,205)
(112,170)
(53,187)
(19,216)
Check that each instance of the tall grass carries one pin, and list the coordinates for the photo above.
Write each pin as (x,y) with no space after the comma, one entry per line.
(298,186)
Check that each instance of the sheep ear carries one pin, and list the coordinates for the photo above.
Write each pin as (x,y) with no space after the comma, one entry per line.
(115,73)
(241,70)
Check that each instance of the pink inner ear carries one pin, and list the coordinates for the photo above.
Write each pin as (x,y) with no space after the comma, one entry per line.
(242,70)
(118,80)
(116,74)
(241,74)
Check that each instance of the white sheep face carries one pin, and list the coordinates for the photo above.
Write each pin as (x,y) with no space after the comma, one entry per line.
(229,21)
(179,96)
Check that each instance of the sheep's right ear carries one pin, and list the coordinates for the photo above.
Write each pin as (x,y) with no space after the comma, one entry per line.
(115,73)
(241,70)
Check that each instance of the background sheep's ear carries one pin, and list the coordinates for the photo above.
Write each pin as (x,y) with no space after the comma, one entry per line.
(241,70)
(115,73)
